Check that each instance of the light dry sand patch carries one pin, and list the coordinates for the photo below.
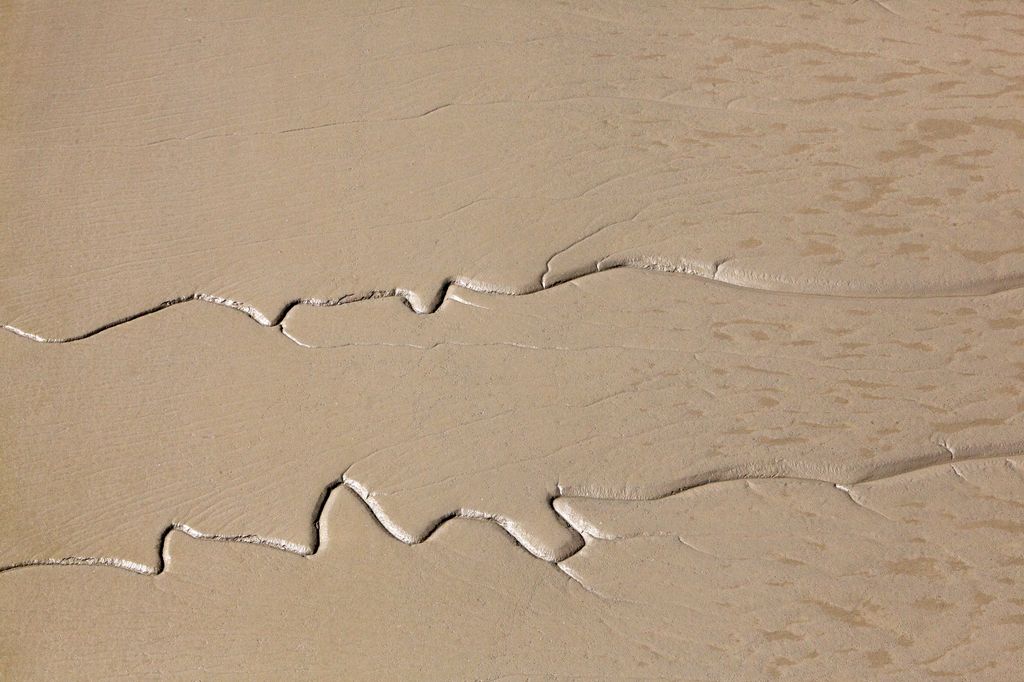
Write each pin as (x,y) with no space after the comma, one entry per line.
(259,155)
(911,578)
(621,384)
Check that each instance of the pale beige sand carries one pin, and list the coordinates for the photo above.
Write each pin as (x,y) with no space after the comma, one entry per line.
(911,578)
(621,384)
(264,154)
(724,365)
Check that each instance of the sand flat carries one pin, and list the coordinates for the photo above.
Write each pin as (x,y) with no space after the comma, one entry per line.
(528,340)
(911,578)
(625,384)
(267,154)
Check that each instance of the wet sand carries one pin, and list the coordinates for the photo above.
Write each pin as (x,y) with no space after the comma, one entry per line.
(521,341)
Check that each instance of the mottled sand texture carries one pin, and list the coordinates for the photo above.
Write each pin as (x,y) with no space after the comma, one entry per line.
(528,340)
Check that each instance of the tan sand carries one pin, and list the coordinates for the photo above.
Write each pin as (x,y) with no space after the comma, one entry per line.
(622,384)
(527,340)
(264,154)
(911,578)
